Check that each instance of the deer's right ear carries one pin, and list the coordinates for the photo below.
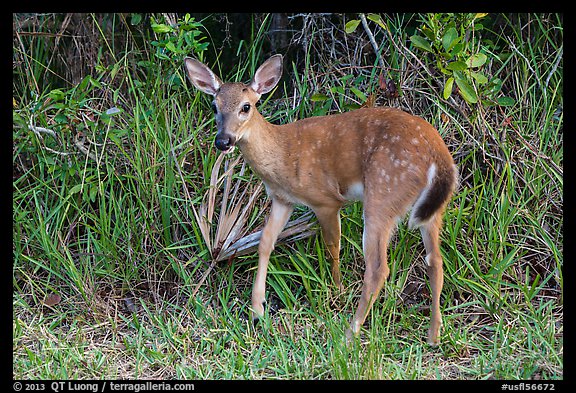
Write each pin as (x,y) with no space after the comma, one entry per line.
(201,76)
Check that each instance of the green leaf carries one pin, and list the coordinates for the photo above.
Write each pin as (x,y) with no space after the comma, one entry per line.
(350,107)
(172,48)
(466,91)
(506,101)
(75,189)
(57,95)
(351,26)
(358,94)
(495,86)
(457,66)
(161,28)
(378,20)
(94,82)
(448,88)
(93,192)
(476,60)
(421,42)
(61,118)
(457,48)
(480,77)
(450,39)
(318,97)
(428,33)
(135,19)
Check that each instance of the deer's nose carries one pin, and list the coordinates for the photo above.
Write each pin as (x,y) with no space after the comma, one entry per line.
(224,142)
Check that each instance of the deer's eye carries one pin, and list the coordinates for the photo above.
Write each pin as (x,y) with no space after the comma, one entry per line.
(245,108)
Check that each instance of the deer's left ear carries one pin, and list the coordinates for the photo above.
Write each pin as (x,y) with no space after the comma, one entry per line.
(201,76)
(267,75)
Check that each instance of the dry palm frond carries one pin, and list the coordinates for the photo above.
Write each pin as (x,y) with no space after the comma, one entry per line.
(228,235)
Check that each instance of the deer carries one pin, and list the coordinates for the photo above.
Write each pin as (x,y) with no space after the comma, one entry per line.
(392,161)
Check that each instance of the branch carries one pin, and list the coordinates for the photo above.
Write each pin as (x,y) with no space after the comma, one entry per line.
(371,38)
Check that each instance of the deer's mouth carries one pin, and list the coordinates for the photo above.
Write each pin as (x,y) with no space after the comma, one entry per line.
(228,150)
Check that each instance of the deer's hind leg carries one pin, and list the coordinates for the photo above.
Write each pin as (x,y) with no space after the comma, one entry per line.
(379,225)
(431,237)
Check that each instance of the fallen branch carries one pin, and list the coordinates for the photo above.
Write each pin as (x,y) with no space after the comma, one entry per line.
(297,229)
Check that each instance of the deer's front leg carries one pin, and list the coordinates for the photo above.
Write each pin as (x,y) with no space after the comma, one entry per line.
(279,215)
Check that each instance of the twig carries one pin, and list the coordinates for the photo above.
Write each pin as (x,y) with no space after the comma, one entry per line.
(39,130)
(204,277)
(79,143)
(371,38)
(305,15)
(556,63)
(56,152)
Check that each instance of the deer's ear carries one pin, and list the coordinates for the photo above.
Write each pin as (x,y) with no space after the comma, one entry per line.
(201,76)
(267,75)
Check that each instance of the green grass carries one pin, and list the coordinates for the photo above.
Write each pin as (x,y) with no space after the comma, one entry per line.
(112,278)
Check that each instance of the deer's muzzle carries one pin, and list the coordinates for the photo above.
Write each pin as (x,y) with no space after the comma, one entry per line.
(225,143)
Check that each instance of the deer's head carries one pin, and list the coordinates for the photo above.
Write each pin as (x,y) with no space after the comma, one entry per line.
(234,103)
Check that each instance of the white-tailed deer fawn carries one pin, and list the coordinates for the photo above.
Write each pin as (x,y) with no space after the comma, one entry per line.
(389,159)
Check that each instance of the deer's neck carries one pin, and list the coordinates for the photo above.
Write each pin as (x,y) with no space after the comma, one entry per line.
(260,147)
